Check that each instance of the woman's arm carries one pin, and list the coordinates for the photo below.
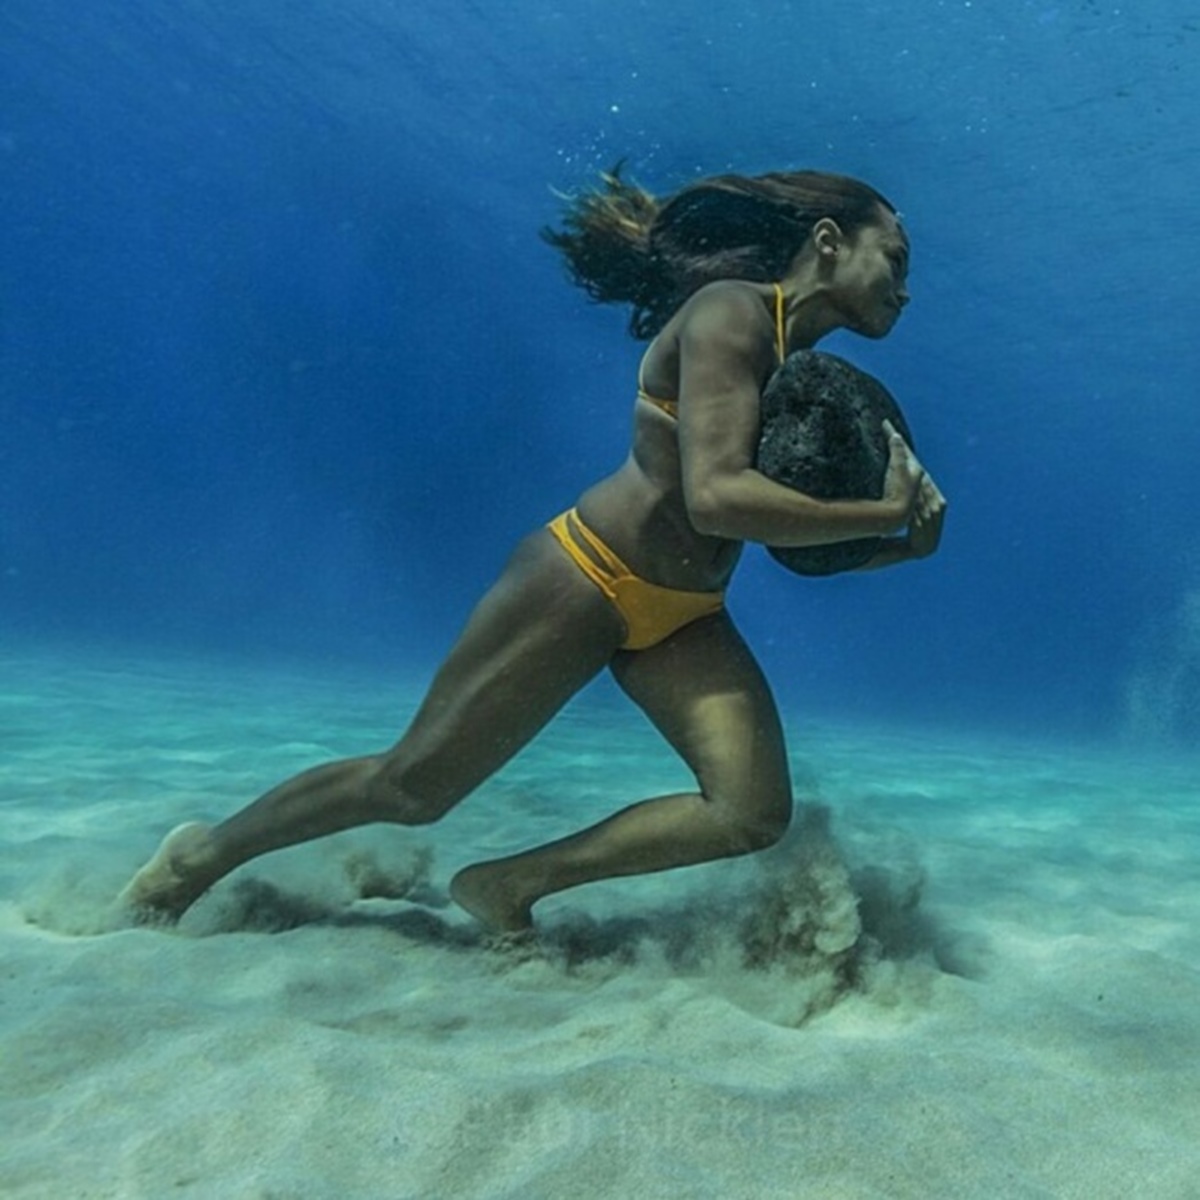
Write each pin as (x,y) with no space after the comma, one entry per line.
(725,351)
(924,531)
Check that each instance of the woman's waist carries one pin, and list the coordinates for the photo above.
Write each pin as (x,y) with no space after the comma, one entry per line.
(649,530)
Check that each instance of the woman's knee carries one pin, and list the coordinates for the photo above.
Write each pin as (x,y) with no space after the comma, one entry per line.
(770,823)
(398,794)
(758,825)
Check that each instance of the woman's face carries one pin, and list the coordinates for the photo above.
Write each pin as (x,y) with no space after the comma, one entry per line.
(869,281)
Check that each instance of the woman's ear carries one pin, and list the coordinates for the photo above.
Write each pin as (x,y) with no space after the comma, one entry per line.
(827,237)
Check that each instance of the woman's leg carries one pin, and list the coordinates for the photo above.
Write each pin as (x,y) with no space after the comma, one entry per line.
(537,637)
(705,693)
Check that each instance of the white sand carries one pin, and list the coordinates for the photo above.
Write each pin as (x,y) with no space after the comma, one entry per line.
(1031,1028)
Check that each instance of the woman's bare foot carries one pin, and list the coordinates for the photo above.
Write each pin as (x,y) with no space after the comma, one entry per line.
(175,878)
(483,892)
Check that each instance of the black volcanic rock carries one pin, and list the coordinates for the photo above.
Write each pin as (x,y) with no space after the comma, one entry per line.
(822,434)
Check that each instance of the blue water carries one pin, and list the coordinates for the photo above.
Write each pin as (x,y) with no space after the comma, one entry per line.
(285,370)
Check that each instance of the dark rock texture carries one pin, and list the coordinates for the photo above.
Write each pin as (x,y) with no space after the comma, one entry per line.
(822,434)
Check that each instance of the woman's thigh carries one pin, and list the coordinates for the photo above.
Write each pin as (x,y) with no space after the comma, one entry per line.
(706,694)
(538,635)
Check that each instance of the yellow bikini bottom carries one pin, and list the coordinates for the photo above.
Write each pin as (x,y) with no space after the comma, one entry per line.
(651,613)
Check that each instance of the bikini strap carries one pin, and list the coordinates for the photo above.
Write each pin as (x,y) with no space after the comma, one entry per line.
(670,407)
(601,551)
(780,334)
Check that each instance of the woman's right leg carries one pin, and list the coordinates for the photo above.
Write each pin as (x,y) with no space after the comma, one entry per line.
(705,693)
(534,640)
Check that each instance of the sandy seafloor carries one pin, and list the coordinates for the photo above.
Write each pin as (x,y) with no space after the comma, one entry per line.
(1018,1016)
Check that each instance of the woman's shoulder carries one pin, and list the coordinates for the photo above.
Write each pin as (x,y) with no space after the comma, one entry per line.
(732,308)
(734,294)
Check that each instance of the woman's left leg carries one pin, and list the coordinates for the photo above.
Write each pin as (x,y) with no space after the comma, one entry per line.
(539,635)
(705,693)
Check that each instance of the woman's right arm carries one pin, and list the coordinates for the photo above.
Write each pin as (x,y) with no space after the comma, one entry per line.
(924,532)
(726,347)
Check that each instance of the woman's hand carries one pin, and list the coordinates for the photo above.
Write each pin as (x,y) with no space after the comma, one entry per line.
(925,527)
(907,486)
(905,476)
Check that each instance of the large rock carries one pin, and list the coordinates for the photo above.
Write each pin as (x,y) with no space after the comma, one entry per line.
(822,434)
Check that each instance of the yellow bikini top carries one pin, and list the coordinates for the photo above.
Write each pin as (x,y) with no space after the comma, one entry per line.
(671,407)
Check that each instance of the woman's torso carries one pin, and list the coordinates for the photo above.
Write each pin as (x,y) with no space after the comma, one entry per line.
(640,510)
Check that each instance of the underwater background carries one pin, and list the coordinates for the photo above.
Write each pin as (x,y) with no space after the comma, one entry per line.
(285,370)
(285,373)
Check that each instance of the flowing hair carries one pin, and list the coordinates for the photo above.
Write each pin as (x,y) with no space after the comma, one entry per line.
(623,245)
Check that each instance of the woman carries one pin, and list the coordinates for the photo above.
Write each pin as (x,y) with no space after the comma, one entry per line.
(726,277)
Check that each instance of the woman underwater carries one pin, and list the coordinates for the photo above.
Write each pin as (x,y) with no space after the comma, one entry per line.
(726,277)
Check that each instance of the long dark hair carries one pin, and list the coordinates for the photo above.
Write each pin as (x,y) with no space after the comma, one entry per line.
(623,245)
